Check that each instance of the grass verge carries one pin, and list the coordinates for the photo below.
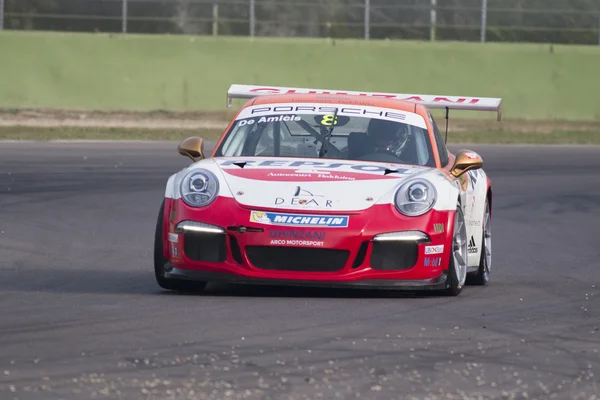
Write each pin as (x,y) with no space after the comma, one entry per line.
(99,133)
(179,72)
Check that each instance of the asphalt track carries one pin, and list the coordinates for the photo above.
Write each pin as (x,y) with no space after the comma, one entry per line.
(82,318)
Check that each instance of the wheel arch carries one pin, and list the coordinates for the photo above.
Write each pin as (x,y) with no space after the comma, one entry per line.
(165,210)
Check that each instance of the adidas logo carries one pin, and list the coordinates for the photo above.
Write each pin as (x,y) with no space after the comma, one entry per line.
(472,246)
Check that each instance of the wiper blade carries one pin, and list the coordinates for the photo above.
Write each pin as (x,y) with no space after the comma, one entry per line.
(327,137)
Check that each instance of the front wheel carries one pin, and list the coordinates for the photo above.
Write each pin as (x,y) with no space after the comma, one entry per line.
(160,261)
(457,268)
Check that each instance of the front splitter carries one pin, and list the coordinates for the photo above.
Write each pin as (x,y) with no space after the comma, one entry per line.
(438,283)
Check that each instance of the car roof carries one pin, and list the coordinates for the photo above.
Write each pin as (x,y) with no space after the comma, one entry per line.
(370,101)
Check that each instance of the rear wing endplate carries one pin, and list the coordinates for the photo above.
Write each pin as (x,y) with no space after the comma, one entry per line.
(431,101)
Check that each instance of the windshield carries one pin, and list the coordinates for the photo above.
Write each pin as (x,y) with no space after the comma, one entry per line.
(357,133)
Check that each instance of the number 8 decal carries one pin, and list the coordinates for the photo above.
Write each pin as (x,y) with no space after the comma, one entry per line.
(328,120)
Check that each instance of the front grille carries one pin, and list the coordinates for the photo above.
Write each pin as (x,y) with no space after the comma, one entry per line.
(394,256)
(297,258)
(208,247)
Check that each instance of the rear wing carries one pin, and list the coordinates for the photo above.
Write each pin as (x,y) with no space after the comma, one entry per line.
(431,101)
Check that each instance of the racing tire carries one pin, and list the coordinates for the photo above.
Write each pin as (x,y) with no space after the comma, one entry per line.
(160,261)
(457,266)
(482,276)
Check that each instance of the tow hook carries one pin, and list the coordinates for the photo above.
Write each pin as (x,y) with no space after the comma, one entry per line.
(243,229)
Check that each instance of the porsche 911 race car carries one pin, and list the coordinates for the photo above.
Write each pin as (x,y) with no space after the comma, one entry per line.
(326,188)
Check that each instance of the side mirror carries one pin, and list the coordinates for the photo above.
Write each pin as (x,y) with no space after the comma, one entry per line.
(192,147)
(466,160)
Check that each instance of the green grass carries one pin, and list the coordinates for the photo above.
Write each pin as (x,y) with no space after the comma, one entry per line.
(137,72)
(491,137)
(562,137)
(76,133)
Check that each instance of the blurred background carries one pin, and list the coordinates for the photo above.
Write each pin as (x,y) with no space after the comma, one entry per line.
(96,69)
(550,21)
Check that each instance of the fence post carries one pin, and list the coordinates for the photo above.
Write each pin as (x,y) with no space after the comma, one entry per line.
(1,15)
(432,20)
(215,15)
(252,18)
(483,20)
(598,27)
(124,17)
(367,19)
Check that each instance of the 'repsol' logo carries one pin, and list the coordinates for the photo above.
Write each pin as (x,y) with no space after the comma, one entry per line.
(472,246)
(271,218)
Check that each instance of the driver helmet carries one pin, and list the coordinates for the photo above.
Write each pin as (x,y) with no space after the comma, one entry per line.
(387,135)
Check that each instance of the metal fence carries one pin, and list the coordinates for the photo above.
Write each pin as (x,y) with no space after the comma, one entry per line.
(466,20)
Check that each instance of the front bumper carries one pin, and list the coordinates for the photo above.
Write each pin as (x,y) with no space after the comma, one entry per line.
(438,283)
(230,245)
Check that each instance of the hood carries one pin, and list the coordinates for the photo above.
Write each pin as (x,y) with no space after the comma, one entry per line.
(309,184)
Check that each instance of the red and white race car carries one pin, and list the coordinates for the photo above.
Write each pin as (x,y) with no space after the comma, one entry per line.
(325,188)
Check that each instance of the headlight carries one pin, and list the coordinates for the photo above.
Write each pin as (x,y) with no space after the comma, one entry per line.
(199,188)
(415,197)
